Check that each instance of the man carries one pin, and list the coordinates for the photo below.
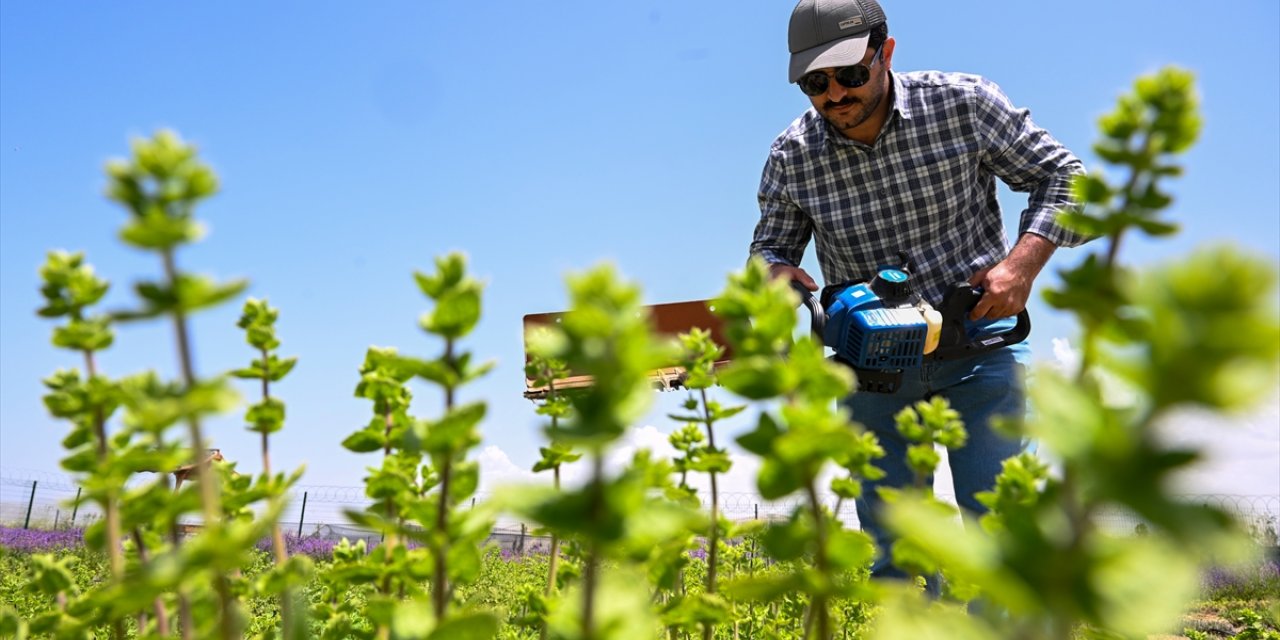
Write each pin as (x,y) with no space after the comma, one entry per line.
(890,162)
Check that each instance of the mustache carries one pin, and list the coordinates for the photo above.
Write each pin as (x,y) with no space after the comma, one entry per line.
(848,100)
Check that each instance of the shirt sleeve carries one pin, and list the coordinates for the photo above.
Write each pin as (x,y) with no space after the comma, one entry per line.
(784,229)
(1029,160)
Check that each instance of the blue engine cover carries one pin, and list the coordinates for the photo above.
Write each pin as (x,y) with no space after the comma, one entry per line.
(868,335)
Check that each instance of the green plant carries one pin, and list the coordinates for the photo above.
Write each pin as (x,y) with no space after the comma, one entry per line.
(1198,333)
(1253,626)
(424,475)
(266,417)
(547,372)
(795,445)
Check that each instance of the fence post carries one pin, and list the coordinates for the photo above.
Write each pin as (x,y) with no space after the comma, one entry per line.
(76,509)
(523,529)
(303,513)
(26,524)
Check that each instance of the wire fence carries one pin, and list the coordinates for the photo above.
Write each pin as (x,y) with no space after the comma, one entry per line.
(43,500)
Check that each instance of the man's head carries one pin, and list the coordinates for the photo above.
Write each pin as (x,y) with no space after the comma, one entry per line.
(826,34)
(840,54)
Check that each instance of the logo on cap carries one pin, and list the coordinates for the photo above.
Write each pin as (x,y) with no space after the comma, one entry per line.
(850,23)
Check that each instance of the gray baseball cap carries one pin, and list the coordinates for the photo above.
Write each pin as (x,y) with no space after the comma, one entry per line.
(830,33)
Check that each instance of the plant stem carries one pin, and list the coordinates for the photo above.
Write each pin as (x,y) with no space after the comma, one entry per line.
(713,551)
(708,629)
(277,536)
(162,616)
(115,553)
(208,490)
(819,601)
(589,577)
(553,562)
(440,584)
(391,538)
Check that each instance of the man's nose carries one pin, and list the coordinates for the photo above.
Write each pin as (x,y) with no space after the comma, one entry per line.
(836,91)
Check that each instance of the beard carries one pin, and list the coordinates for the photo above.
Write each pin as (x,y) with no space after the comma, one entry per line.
(863,108)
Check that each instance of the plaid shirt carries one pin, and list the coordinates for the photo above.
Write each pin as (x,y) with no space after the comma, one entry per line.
(926,187)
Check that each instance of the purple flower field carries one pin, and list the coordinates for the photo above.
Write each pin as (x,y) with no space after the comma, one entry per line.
(316,548)
(34,540)
(1243,584)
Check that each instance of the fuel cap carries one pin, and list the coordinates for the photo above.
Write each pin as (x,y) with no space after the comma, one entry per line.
(891,284)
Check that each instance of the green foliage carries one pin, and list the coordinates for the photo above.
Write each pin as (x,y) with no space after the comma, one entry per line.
(423,477)
(633,555)
(795,445)
(1183,335)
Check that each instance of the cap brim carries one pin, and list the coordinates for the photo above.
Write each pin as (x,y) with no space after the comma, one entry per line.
(840,53)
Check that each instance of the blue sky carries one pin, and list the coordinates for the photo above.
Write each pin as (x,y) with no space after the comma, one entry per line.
(357,141)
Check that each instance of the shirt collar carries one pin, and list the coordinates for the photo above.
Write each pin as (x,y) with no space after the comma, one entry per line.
(901,109)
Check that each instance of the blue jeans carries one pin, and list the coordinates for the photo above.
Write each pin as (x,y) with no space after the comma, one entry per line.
(980,388)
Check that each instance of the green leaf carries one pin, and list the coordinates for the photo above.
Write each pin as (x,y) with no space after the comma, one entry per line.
(1158,228)
(778,479)
(466,478)
(158,232)
(760,441)
(789,540)
(455,431)
(1092,189)
(366,440)
(277,369)
(11,624)
(189,293)
(764,588)
(467,626)
(450,270)
(266,416)
(455,315)
(712,462)
(846,488)
(756,377)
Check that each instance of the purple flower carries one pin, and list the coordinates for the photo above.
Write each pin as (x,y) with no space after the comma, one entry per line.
(316,547)
(34,540)
(1242,583)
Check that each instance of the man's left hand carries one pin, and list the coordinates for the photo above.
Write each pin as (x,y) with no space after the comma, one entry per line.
(1005,292)
(1007,284)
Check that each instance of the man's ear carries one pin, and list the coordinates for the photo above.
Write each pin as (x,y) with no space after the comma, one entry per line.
(886,54)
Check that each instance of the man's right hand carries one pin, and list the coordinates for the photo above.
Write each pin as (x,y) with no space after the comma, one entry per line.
(779,270)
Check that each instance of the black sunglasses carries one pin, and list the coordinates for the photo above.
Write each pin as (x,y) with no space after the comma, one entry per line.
(815,83)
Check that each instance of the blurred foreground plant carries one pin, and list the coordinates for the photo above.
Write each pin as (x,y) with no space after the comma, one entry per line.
(806,433)
(1202,332)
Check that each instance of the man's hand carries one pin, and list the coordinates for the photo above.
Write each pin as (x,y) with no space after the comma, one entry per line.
(1007,284)
(779,270)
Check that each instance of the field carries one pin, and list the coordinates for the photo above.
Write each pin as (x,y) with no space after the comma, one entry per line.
(1232,604)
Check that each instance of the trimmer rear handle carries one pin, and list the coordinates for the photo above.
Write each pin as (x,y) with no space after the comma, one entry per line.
(954,342)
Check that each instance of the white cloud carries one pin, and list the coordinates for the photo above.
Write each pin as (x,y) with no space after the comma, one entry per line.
(1065,357)
(497,469)
(1241,454)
